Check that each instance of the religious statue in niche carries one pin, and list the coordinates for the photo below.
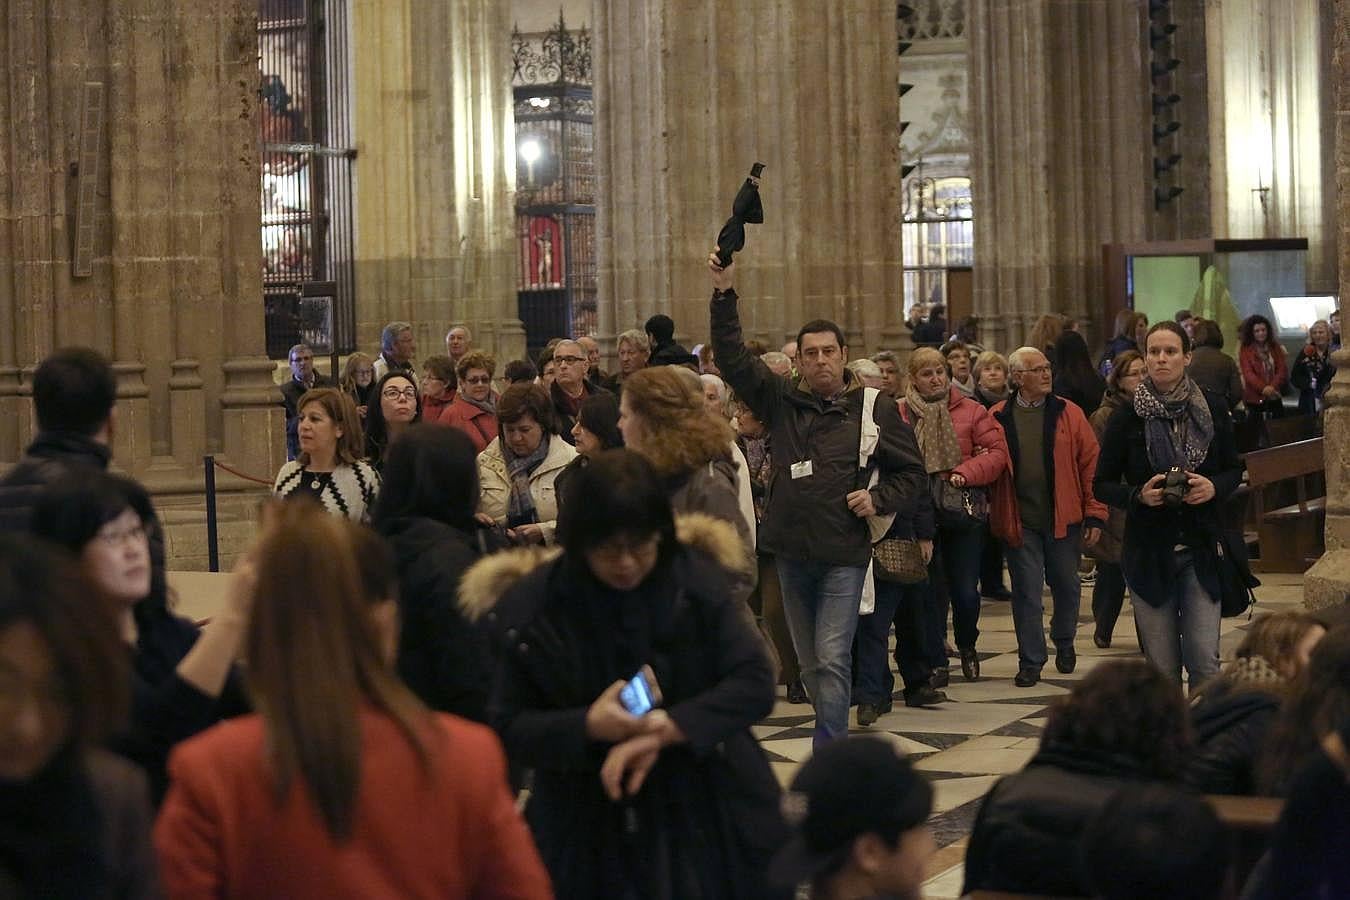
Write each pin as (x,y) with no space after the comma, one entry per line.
(542,253)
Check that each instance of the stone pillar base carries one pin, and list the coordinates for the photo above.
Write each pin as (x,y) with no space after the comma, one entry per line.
(253,416)
(1327,583)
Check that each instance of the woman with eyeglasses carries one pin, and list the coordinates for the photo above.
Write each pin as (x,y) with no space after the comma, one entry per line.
(183,679)
(74,819)
(399,406)
(329,467)
(474,412)
(672,798)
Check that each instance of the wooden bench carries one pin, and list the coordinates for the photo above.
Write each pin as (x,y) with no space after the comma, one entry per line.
(1289,534)
(1290,429)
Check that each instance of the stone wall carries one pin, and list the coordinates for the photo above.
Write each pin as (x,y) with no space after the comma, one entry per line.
(688,95)
(173,294)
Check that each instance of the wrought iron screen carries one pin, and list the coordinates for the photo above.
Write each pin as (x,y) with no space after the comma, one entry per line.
(305,135)
(938,233)
(555,183)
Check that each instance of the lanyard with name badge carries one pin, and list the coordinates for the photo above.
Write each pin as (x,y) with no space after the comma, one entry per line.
(801,469)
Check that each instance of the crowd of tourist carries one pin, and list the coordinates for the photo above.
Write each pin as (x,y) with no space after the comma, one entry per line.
(508,636)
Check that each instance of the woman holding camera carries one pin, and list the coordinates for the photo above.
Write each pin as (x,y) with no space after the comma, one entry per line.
(1169,460)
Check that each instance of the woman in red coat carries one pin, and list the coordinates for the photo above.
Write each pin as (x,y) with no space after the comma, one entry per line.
(473,411)
(344,785)
(963,448)
(1265,371)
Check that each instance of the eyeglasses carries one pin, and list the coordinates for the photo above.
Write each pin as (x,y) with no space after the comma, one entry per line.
(479,379)
(395,393)
(118,538)
(569,360)
(1038,370)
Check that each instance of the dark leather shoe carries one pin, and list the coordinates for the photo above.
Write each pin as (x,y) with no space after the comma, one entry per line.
(1101,642)
(1066,660)
(885,706)
(797,692)
(941,677)
(970,664)
(1027,677)
(867,714)
(924,696)
(1003,596)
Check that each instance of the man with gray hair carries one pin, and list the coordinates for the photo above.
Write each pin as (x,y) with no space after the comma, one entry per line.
(458,342)
(570,386)
(633,349)
(397,349)
(592,348)
(1047,513)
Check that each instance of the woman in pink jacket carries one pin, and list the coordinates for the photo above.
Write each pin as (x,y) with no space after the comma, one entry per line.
(963,449)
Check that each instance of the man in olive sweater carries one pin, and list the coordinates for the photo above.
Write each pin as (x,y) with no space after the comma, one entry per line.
(815,518)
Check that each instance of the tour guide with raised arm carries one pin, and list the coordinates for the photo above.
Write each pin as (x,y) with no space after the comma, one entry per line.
(815,519)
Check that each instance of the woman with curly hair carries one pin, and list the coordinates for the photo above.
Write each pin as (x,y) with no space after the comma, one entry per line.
(1123,726)
(1265,370)
(1234,712)
(662,416)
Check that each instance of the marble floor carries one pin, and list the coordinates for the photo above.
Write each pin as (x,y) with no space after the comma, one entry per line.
(990,727)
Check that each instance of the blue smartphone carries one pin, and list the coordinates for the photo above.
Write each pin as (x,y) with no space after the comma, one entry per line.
(636,695)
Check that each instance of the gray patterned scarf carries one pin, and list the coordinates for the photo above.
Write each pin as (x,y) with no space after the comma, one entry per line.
(1178,425)
(520,509)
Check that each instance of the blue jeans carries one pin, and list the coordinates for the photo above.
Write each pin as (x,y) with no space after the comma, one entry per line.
(903,604)
(1184,630)
(821,602)
(1043,558)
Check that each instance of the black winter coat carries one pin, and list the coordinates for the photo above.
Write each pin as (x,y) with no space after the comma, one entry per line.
(442,656)
(165,709)
(1230,730)
(1123,467)
(808,518)
(1027,833)
(707,819)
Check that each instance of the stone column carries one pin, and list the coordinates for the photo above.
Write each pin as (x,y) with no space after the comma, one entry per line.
(688,95)
(1061,154)
(436,171)
(174,293)
(1327,583)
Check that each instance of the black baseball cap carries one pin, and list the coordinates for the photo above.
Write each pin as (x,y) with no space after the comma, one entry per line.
(847,788)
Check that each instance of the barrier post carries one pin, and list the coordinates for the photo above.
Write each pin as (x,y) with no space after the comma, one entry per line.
(212,550)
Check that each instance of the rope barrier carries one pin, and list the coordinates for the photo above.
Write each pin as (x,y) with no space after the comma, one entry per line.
(263,481)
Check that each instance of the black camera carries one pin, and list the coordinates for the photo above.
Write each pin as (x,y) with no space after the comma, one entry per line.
(1176,486)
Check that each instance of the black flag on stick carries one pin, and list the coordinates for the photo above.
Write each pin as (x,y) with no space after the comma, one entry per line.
(745,210)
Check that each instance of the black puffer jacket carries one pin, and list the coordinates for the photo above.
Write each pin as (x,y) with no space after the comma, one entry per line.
(808,518)
(706,820)
(1232,718)
(1027,832)
(441,656)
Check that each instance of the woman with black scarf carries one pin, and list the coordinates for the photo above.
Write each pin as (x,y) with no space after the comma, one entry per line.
(679,802)
(74,821)
(1173,541)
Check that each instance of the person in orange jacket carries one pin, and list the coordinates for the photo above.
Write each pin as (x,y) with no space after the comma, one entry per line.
(1045,511)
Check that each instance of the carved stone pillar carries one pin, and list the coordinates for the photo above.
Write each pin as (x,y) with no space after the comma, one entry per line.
(688,95)
(435,146)
(171,187)
(1327,583)
(1061,154)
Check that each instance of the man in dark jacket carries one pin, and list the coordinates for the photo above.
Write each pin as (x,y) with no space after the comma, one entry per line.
(814,522)
(303,378)
(665,352)
(570,386)
(74,394)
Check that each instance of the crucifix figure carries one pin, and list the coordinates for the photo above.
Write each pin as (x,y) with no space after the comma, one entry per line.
(544,267)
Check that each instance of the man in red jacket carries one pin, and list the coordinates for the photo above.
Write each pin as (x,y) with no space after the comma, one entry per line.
(1044,510)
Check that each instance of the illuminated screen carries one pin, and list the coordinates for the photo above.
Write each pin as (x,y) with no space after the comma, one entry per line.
(1295,315)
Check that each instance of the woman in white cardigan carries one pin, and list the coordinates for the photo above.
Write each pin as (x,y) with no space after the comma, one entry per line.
(519,469)
(329,466)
